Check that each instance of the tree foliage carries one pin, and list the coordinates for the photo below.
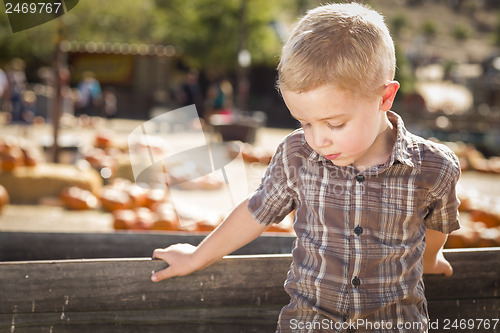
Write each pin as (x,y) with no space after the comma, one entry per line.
(31,44)
(207,31)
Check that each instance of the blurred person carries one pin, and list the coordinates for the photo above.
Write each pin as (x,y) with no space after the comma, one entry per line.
(4,86)
(17,84)
(28,107)
(67,95)
(28,112)
(190,92)
(219,98)
(89,95)
(110,103)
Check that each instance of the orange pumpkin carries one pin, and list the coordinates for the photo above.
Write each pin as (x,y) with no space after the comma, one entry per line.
(138,195)
(491,220)
(11,158)
(489,238)
(167,217)
(123,219)
(103,140)
(4,197)
(75,198)
(144,219)
(155,196)
(113,199)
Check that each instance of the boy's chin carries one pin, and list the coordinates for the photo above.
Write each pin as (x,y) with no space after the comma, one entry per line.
(342,162)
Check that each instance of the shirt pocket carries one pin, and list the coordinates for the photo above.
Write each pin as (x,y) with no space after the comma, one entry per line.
(402,211)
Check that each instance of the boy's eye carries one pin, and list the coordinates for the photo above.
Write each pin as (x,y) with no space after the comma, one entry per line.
(334,127)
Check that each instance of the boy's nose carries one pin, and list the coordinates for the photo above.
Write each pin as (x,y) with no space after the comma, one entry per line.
(320,138)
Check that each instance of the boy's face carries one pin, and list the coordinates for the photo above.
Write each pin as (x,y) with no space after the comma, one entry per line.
(345,127)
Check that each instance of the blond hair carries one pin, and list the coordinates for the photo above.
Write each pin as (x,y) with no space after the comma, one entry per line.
(344,44)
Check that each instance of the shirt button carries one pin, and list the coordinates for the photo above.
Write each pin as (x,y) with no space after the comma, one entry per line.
(358,230)
(356,281)
(360,178)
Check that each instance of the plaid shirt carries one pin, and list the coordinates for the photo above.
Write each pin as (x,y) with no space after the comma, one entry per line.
(357,259)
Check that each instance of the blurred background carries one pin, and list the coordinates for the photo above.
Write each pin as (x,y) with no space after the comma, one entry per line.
(72,90)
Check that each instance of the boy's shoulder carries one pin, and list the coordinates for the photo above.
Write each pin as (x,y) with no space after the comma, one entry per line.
(294,149)
(432,153)
(439,166)
(423,154)
(294,143)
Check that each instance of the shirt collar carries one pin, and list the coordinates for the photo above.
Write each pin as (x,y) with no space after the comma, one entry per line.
(405,149)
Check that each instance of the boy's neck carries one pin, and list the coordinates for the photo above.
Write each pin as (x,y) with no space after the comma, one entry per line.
(382,147)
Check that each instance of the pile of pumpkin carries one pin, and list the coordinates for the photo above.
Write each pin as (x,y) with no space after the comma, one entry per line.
(15,152)
(13,155)
(133,207)
(137,208)
(105,156)
(480,223)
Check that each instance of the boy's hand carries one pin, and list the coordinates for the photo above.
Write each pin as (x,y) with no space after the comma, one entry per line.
(438,266)
(238,229)
(180,260)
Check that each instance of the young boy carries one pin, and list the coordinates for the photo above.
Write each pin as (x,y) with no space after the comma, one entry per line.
(373,203)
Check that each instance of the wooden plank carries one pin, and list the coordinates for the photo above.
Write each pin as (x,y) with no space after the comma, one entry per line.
(444,313)
(124,284)
(226,319)
(119,292)
(477,268)
(23,246)
(209,319)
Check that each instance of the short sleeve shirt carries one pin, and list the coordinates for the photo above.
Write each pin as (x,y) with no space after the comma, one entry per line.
(360,240)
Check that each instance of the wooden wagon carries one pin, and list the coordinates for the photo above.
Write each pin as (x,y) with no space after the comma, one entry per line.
(101,283)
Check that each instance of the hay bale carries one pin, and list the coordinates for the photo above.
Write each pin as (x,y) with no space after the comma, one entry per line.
(124,168)
(30,184)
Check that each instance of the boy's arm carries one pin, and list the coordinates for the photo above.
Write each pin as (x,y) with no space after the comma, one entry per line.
(434,261)
(238,229)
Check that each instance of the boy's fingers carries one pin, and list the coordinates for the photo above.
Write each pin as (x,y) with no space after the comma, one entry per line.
(159,253)
(162,275)
(177,257)
(445,265)
(448,270)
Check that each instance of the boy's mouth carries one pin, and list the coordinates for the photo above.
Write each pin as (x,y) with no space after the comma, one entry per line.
(332,156)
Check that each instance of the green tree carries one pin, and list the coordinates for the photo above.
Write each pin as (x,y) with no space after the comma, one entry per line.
(429,28)
(35,44)
(496,32)
(398,23)
(404,74)
(116,21)
(120,21)
(461,32)
(209,30)
(206,31)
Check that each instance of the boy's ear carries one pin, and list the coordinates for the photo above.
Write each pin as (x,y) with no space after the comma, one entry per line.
(389,93)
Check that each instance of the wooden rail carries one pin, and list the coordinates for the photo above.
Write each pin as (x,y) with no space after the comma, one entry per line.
(237,294)
(47,246)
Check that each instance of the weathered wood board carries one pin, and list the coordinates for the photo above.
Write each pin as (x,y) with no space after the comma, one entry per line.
(118,292)
(237,294)
(23,246)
